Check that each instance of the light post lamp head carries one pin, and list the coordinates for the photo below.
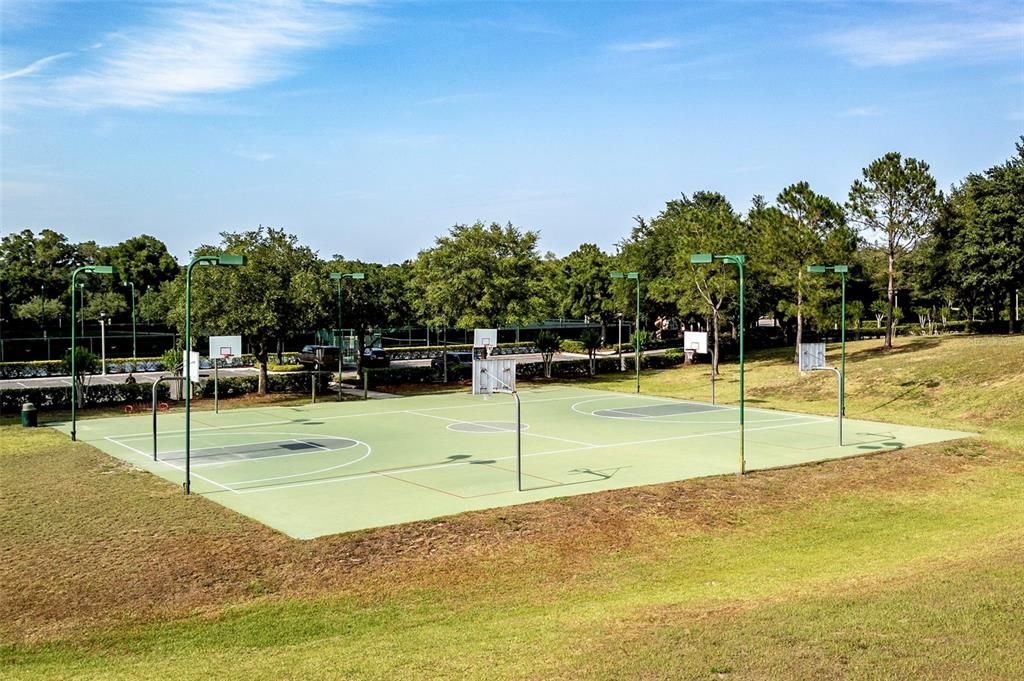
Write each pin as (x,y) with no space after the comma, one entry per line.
(838,269)
(230,260)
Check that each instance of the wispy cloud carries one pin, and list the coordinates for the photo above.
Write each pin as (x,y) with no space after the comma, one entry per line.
(250,155)
(910,42)
(455,98)
(861,112)
(34,67)
(191,50)
(644,46)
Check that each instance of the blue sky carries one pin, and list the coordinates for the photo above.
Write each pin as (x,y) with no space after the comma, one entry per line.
(370,128)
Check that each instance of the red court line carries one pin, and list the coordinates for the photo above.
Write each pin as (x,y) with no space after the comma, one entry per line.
(420,484)
(529,475)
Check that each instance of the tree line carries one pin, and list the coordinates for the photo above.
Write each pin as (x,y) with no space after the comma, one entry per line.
(910,248)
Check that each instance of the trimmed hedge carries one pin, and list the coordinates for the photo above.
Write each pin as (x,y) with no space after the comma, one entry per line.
(59,397)
(573,346)
(432,351)
(294,382)
(105,394)
(55,367)
(576,368)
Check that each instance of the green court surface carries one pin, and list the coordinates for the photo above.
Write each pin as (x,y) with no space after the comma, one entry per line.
(340,466)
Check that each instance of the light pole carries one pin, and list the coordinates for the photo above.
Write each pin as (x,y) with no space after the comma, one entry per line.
(224,260)
(340,277)
(81,291)
(96,269)
(636,330)
(132,285)
(841,270)
(739,261)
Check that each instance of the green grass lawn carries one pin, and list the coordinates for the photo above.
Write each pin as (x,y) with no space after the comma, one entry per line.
(895,565)
(933,381)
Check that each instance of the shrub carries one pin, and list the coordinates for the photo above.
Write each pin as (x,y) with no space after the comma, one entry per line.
(574,346)
(129,393)
(415,375)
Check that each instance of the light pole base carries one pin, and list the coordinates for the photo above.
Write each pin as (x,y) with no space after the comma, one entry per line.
(186,488)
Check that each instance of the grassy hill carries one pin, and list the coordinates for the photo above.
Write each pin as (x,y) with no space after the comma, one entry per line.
(896,565)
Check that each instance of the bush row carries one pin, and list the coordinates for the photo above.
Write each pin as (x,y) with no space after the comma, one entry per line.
(432,351)
(59,397)
(55,367)
(576,368)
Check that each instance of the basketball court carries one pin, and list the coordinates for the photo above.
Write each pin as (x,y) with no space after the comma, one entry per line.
(335,467)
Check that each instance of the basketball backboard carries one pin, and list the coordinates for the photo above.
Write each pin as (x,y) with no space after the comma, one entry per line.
(225,346)
(494,376)
(696,341)
(812,356)
(485,338)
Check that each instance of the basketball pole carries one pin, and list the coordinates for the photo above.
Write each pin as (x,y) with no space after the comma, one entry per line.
(519,441)
(519,423)
(216,388)
(739,261)
(635,276)
(223,260)
(842,271)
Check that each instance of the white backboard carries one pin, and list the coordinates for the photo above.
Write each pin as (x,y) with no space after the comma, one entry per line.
(697,341)
(812,356)
(494,376)
(485,337)
(222,346)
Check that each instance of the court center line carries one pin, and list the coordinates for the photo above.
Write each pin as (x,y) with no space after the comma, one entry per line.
(499,430)
(413,469)
(353,443)
(261,442)
(264,458)
(292,422)
(369,451)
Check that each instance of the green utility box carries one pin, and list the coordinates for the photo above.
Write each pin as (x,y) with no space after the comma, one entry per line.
(29,415)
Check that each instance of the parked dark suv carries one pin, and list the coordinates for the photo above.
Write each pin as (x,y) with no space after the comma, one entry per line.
(307,356)
(454,359)
(374,358)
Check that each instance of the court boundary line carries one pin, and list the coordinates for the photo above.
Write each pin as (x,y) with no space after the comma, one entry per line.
(494,429)
(369,450)
(723,408)
(451,464)
(149,433)
(204,464)
(607,395)
(171,465)
(524,432)
(148,457)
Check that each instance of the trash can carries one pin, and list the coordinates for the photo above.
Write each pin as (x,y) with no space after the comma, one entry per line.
(29,415)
